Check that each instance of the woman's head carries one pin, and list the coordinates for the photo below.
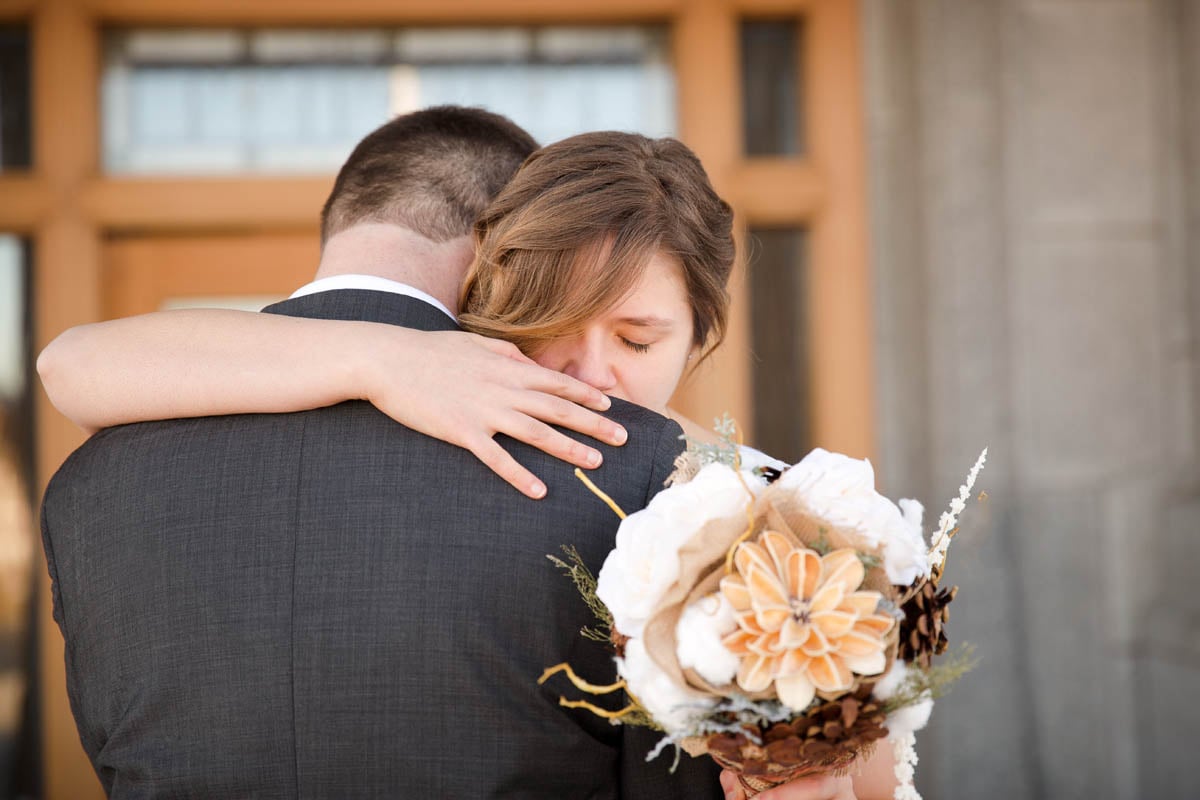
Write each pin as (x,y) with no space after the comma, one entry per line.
(606,247)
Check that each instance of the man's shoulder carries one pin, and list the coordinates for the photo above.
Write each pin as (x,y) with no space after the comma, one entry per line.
(623,410)
(649,425)
(115,455)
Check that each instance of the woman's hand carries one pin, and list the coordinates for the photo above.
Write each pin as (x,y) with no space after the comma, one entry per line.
(814,787)
(464,389)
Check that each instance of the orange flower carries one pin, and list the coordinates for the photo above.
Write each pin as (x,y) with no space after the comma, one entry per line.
(803,624)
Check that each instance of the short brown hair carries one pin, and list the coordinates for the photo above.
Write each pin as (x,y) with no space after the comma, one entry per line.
(431,171)
(572,233)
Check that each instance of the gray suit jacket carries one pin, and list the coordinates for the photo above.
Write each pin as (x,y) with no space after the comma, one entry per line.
(329,605)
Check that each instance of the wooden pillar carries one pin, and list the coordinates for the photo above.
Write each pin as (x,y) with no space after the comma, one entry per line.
(709,80)
(66,292)
(843,413)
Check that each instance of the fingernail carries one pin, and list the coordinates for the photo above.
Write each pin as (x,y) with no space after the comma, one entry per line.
(619,436)
(605,402)
(593,459)
(537,489)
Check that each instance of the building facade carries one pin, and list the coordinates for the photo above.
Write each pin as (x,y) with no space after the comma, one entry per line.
(1034,262)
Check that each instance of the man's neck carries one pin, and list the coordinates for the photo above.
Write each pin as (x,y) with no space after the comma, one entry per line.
(398,254)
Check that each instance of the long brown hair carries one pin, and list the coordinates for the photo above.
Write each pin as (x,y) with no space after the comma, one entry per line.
(572,233)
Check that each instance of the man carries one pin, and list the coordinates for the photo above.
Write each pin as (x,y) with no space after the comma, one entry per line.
(328,604)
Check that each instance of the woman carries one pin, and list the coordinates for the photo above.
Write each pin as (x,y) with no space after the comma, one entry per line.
(606,258)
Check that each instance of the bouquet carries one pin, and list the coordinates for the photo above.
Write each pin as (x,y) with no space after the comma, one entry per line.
(782,622)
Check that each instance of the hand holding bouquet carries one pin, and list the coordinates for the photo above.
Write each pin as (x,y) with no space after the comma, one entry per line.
(782,623)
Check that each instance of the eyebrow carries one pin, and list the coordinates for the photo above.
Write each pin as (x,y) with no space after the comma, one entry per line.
(647,322)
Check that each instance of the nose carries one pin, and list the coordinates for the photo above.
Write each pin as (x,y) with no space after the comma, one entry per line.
(587,361)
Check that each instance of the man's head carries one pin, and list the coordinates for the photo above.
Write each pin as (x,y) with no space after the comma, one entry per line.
(431,171)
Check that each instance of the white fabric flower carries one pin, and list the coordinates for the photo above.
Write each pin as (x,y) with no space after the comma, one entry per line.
(911,552)
(887,686)
(645,561)
(752,459)
(911,718)
(698,637)
(841,490)
(672,706)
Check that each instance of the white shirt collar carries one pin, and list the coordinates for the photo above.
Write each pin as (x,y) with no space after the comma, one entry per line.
(373,283)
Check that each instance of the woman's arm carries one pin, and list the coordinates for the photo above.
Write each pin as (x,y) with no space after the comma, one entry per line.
(455,386)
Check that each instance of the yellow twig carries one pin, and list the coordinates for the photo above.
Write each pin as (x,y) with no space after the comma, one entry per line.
(591,688)
(746,533)
(579,682)
(733,548)
(737,453)
(599,712)
(596,491)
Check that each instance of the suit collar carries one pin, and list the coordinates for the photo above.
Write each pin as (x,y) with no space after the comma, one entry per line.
(365,305)
(374,282)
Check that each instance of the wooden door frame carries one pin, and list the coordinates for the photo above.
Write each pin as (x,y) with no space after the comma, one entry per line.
(68,207)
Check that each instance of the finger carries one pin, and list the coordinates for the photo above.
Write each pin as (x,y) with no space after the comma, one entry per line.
(814,787)
(540,435)
(506,349)
(562,385)
(548,380)
(565,414)
(498,460)
(731,786)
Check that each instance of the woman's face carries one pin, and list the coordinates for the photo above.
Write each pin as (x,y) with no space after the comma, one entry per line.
(637,351)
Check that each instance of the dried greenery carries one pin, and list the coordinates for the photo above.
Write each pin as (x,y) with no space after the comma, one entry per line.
(925,684)
(585,582)
(639,718)
(723,452)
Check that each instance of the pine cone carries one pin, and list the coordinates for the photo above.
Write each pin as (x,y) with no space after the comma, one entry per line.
(827,738)
(922,631)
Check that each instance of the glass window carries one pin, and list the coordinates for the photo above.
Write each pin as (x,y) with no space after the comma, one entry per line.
(298,101)
(15,130)
(18,563)
(778,302)
(772,122)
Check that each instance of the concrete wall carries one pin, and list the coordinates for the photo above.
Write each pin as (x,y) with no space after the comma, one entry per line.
(1035,168)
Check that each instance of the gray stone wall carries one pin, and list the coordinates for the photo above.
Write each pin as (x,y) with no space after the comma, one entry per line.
(1035,168)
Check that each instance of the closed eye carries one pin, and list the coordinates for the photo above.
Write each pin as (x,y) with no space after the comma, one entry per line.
(636,347)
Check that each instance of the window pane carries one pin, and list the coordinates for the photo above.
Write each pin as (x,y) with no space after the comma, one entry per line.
(772,122)
(15,114)
(18,741)
(778,301)
(298,101)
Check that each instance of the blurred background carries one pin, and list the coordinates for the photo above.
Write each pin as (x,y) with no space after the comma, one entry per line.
(963,223)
